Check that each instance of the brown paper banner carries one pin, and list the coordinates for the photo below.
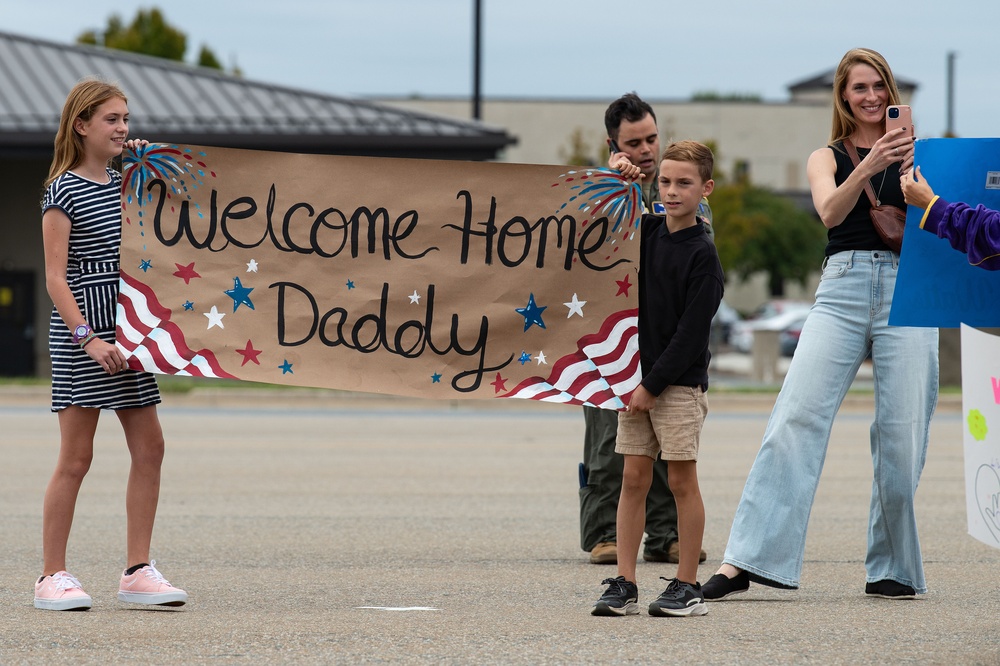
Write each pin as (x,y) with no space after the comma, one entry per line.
(424,278)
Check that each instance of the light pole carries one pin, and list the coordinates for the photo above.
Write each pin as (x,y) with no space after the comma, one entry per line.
(950,96)
(477,57)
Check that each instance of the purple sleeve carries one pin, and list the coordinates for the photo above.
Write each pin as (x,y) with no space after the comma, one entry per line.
(974,231)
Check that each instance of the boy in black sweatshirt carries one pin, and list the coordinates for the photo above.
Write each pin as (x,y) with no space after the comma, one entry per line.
(680,287)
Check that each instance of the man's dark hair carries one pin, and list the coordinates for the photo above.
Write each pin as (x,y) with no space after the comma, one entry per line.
(628,107)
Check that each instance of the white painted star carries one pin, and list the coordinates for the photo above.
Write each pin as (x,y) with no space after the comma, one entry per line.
(215,317)
(414,297)
(575,307)
(252,266)
(540,357)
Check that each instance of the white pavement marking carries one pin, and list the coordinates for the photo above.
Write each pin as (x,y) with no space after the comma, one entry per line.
(398,608)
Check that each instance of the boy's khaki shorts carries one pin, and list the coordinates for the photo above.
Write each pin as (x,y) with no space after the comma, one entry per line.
(672,428)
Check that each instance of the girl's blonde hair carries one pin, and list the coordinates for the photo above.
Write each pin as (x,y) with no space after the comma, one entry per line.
(81,102)
(844,123)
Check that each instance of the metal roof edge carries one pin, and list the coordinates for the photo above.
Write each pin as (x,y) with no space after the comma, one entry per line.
(497,135)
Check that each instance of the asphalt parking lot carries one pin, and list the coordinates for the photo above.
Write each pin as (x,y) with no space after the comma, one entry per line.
(313,527)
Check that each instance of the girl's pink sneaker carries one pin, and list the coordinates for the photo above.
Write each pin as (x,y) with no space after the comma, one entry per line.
(148,586)
(60,591)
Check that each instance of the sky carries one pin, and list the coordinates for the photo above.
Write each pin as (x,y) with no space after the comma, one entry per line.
(590,49)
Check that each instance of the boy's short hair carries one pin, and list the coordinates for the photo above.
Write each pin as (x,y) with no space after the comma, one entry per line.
(628,107)
(691,151)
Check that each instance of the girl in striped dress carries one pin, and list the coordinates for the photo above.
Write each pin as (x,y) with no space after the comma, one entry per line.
(81,232)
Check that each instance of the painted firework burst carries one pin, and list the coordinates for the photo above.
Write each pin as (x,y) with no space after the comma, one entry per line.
(181,169)
(604,192)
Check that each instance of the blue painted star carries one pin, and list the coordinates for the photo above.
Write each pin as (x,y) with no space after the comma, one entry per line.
(436,378)
(240,295)
(350,284)
(286,368)
(145,265)
(525,357)
(188,305)
(532,313)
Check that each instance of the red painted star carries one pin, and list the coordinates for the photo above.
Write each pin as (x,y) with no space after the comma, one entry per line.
(249,354)
(623,286)
(499,384)
(186,272)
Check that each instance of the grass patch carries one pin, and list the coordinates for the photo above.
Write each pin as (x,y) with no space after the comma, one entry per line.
(176,385)
(24,381)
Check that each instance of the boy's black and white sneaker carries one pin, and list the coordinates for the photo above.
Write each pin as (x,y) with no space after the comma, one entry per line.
(621,598)
(720,586)
(890,589)
(680,599)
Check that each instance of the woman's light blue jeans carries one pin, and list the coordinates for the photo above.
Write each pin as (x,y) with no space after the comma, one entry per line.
(848,321)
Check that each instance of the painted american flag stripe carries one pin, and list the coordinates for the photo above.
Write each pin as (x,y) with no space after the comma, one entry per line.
(151,341)
(603,372)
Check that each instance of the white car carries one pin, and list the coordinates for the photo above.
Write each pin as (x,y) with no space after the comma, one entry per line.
(790,318)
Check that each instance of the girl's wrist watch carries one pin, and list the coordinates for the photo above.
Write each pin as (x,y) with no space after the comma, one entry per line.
(81,332)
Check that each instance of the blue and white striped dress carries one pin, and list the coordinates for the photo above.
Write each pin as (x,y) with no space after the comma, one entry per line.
(95,211)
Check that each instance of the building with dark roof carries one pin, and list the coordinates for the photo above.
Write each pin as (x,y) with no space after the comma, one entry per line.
(171,102)
(818,87)
(175,103)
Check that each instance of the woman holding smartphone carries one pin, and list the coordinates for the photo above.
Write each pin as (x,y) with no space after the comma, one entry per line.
(847,324)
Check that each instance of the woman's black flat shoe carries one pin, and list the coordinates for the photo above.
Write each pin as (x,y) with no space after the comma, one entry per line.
(719,587)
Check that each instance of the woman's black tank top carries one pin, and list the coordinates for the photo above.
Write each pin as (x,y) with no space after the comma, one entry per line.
(856,231)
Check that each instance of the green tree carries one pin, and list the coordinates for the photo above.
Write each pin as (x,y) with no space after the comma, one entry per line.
(149,34)
(714,96)
(207,59)
(757,230)
(579,151)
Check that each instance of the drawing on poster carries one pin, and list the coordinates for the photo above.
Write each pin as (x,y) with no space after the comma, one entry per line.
(318,277)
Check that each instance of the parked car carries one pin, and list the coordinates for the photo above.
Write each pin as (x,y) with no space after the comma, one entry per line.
(777,306)
(784,316)
(788,337)
(726,317)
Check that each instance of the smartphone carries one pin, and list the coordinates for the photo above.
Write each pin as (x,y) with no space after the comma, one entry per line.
(898,115)
(613,145)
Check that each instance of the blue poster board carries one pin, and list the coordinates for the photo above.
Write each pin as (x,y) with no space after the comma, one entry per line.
(935,285)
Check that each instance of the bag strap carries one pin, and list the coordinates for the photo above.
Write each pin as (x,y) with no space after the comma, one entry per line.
(852,152)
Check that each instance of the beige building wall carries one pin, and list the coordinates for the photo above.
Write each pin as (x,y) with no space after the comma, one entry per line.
(773,140)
